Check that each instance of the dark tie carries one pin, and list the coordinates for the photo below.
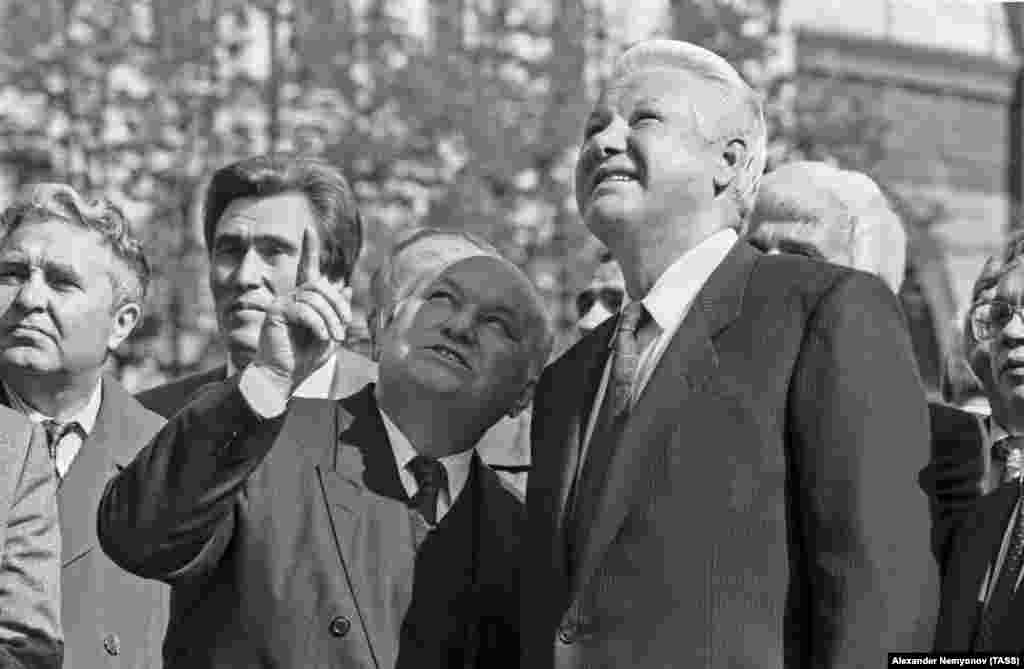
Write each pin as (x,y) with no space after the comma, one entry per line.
(431,479)
(1006,580)
(55,431)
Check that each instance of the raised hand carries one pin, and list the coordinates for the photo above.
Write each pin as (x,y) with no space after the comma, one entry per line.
(303,327)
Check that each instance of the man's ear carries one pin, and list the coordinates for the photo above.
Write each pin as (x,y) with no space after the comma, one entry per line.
(524,399)
(730,162)
(126,317)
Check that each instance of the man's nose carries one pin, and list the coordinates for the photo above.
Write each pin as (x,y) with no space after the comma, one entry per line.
(612,138)
(461,324)
(32,294)
(250,269)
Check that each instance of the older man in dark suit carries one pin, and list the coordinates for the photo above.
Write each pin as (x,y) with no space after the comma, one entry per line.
(30,636)
(974,478)
(73,277)
(255,213)
(416,255)
(723,475)
(359,533)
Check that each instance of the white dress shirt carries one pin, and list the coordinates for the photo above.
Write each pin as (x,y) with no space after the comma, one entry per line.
(71,443)
(456,466)
(668,302)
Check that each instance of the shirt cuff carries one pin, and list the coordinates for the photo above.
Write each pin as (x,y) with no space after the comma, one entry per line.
(263,392)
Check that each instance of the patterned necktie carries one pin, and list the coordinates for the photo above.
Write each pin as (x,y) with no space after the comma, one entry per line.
(1008,450)
(627,358)
(594,459)
(55,431)
(431,479)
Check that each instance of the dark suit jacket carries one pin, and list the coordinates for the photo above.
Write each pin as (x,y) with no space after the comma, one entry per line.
(760,508)
(279,544)
(30,636)
(110,617)
(967,525)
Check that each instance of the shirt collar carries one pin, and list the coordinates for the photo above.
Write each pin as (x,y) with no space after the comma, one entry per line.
(996,432)
(316,386)
(85,417)
(670,297)
(455,465)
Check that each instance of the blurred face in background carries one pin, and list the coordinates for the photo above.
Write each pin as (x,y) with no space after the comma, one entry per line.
(62,312)
(254,259)
(603,298)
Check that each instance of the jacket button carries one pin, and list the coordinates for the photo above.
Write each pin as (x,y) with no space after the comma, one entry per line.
(112,644)
(340,626)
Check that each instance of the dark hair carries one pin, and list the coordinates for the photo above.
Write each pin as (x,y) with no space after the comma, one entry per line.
(324,186)
(59,201)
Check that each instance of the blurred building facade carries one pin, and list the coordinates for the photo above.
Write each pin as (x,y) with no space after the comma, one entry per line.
(943,77)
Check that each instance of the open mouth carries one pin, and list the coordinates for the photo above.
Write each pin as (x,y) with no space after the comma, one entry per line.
(450,354)
(614,174)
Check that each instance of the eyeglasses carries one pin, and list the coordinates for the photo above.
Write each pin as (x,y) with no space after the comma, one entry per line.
(611,298)
(988,319)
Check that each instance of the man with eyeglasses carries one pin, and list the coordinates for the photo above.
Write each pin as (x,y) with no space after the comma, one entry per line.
(974,477)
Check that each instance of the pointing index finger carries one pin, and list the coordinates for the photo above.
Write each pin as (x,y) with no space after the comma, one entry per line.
(309,260)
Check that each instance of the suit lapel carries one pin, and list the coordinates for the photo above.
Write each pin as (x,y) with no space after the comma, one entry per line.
(356,470)
(586,376)
(79,493)
(687,368)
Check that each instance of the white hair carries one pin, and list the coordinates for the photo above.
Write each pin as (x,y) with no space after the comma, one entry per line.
(824,196)
(741,116)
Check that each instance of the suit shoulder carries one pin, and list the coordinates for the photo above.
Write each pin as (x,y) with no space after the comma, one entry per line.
(127,418)
(167,399)
(798,272)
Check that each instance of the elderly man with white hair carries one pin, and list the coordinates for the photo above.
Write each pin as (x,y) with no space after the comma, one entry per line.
(723,475)
(824,212)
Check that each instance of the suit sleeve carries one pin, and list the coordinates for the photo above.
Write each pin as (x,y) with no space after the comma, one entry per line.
(30,634)
(170,514)
(859,435)
(955,476)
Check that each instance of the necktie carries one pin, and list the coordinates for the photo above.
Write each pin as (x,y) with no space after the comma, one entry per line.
(1006,581)
(627,357)
(55,431)
(613,411)
(431,479)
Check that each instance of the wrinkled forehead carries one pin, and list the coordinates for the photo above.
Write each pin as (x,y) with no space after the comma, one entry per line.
(421,263)
(493,282)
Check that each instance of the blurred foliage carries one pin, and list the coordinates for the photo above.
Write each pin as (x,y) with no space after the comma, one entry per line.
(467,116)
